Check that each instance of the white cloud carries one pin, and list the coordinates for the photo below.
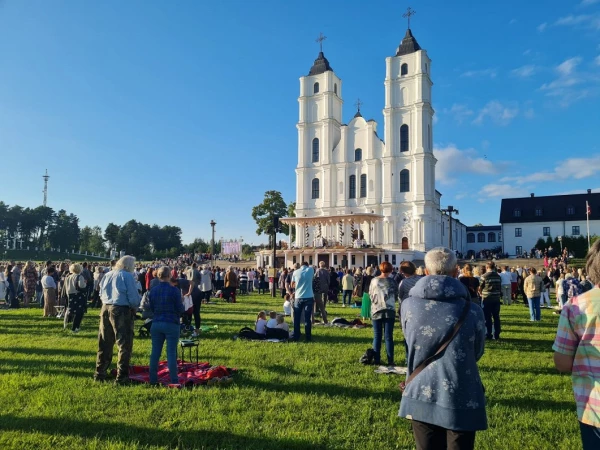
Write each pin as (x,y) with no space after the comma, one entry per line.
(569,169)
(498,190)
(597,60)
(453,162)
(524,71)
(512,21)
(480,73)
(459,112)
(529,113)
(497,112)
(588,2)
(570,85)
(542,26)
(580,20)
(527,52)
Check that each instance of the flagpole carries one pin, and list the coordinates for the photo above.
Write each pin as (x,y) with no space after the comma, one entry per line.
(587,216)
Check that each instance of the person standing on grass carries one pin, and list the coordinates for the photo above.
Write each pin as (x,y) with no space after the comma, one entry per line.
(323,277)
(506,280)
(445,401)
(49,287)
(490,292)
(302,282)
(384,294)
(206,285)
(75,289)
(120,301)
(30,278)
(167,307)
(347,287)
(577,351)
(534,286)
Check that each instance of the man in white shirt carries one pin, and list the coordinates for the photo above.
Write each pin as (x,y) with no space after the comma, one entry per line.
(506,279)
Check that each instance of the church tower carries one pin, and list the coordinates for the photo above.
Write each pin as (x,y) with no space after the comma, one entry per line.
(319,124)
(408,161)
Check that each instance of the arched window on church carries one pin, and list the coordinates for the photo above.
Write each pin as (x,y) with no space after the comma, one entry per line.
(470,238)
(352,186)
(480,237)
(363,185)
(358,154)
(335,88)
(316,88)
(404,138)
(315,150)
(404,180)
(404,69)
(315,188)
(491,236)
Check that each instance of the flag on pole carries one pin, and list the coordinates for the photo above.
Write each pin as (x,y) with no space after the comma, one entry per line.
(588,210)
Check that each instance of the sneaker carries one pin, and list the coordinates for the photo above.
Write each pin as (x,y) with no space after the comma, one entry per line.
(343,305)
(75,331)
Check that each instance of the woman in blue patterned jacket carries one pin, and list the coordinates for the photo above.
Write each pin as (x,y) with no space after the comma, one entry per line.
(445,401)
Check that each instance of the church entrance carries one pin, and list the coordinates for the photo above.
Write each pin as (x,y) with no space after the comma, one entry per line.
(324,258)
(405,243)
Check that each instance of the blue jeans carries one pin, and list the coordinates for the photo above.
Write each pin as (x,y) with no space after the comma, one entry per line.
(347,294)
(535,313)
(383,327)
(590,436)
(306,305)
(159,332)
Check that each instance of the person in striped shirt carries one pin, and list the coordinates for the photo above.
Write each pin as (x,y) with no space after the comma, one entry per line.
(577,351)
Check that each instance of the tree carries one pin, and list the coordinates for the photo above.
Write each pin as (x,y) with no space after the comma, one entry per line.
(111,233)
(291,212)
(263,214)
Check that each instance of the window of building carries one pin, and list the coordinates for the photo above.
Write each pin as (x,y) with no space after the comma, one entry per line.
(315,150)
(393,260)
(499,236)
(294,259)
(404,69)
(316,88)
(470,238)
(358,154)
(310,260)
(335,260)
(404,180)
(546,231)
(315,188)
(518,232)
(518,250)
(570,210)
(335,88)
(575,230)
(353,259)
(517,212)
(480,237)
(491,237)
(387,258)
(538,211)
(363,186)
(404,138)
(352,186)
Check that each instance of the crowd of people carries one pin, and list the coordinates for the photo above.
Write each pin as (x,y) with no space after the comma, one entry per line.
(446,313)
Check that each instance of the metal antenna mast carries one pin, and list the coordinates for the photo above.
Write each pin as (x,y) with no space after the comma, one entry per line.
(45,177)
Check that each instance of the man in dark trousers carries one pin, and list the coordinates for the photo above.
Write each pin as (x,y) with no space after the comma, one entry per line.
(490,290)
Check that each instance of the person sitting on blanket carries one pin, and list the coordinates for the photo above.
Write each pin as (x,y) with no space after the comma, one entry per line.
(272,322)
(261,323)
(281,323)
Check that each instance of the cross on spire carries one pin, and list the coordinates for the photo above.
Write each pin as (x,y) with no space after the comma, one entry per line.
(320,40)
(408,14)
(358,104)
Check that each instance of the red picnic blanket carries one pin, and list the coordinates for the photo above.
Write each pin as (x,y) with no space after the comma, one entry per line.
(190,374)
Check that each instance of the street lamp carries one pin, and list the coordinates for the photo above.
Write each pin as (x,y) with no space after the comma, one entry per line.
(212,242)
(449,210)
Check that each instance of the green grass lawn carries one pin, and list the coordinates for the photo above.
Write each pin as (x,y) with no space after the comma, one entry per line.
(286,396)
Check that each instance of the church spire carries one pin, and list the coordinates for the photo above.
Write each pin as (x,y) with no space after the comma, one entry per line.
(321,64)
(409,44)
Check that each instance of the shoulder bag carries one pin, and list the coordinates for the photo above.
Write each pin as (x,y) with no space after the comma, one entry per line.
(442,347)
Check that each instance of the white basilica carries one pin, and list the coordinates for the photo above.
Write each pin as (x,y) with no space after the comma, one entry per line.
(363,197)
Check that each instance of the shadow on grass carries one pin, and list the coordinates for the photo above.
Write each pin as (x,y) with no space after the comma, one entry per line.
(184,438)
(532,404)
(521,345)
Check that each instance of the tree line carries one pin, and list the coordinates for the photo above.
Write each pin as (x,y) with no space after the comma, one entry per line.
(45,229)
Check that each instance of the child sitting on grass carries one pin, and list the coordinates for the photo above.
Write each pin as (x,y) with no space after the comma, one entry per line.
(281,323)
(261,323)
(272,322)
(287,305)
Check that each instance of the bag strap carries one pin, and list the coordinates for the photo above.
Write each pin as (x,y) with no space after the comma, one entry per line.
(444,344)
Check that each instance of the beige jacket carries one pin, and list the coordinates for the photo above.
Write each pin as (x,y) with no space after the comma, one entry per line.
(533,286)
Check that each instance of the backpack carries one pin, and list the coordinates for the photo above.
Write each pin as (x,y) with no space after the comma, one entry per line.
(368,357)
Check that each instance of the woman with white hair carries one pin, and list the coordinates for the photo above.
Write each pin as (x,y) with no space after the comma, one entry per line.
(75,290)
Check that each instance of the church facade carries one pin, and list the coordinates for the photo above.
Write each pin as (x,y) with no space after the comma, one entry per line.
(365,195)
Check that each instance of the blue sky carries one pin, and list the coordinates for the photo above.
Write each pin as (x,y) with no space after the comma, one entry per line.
(182,112)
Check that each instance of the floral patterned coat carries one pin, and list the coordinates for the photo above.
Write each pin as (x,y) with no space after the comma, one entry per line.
(30,279)
(448,392)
